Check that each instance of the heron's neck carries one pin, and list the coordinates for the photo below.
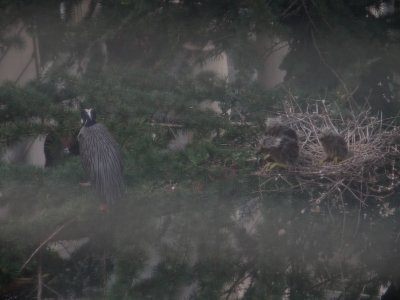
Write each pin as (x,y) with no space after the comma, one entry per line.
(89,123)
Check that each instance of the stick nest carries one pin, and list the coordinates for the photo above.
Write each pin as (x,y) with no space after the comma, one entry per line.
(369,172)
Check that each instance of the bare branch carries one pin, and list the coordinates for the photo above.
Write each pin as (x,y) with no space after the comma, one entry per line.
(42,244)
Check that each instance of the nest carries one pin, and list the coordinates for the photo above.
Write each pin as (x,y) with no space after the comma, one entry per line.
(369,172)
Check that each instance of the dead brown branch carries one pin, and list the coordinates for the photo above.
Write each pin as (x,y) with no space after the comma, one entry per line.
(44,243)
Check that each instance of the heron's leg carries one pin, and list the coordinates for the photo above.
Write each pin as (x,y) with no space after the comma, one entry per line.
(273,165)
(104,207)
(338,159)
(279,165)
(266,164)
(326,159)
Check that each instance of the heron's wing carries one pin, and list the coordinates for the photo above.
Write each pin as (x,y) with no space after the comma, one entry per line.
(102,161)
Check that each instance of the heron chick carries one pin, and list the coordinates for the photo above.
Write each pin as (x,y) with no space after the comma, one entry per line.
(280,144)
(334,145)
(101,158)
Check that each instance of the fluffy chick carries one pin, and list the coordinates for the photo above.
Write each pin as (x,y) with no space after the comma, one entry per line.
(279,144)
(334,145)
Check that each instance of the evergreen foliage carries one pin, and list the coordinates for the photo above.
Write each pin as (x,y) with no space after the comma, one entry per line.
(194,220)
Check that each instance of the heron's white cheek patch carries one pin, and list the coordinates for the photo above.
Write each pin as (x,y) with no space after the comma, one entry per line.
(89,113)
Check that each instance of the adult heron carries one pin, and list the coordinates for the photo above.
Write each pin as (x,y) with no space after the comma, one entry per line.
(101,158)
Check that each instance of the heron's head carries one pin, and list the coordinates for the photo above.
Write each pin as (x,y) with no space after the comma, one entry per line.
(88,117)
(328,135)
(271,142)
